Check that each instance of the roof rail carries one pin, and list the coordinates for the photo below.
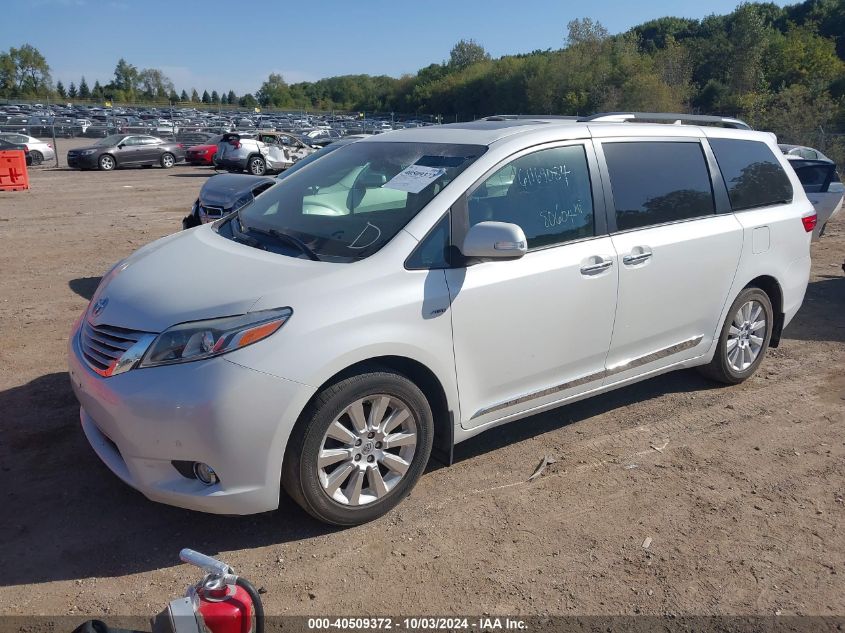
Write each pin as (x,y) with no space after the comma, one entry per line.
(664,117)
(530,117)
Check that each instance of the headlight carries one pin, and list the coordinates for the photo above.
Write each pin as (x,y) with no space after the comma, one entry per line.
(88,152)
(203,339)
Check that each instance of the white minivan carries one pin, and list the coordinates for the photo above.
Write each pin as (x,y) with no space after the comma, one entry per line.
(411,290)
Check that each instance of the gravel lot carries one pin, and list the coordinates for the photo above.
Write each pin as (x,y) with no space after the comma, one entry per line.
(740,490)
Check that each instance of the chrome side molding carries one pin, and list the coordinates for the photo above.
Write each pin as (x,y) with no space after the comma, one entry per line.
(599,375)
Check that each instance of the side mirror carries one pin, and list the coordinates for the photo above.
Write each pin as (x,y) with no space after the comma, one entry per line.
(120,145)
(500,240)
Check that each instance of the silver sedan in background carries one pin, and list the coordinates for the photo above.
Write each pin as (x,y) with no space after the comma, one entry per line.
(38,149)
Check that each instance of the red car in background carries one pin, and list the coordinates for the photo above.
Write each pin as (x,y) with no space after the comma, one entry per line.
(203,154)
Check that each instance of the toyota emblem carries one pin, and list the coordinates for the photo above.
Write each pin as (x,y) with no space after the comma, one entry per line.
(100,306)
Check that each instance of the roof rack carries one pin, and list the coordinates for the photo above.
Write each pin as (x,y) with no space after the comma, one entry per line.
(530,117)
(666,117)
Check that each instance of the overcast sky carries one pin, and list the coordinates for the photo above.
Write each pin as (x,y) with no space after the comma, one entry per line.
(223,45)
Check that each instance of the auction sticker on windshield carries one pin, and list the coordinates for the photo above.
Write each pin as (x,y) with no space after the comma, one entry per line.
(414,179)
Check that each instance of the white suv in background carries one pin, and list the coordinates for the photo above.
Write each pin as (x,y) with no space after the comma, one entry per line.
(411,290)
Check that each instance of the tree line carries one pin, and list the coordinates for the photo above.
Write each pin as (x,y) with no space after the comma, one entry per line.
(780,68)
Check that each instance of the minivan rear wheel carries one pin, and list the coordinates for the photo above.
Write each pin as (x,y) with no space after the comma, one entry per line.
(744,338)
(359,448)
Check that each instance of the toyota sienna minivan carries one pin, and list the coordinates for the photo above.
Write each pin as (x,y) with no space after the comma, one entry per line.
(411,290)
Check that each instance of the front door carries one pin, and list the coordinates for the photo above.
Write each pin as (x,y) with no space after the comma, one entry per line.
(535,330)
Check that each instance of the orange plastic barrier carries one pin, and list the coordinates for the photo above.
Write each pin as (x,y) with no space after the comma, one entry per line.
(13,174)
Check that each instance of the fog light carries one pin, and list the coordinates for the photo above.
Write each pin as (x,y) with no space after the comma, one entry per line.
(205,473)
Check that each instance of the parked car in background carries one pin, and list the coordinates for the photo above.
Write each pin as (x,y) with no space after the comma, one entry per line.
(259,153)
(122,150)
(801,151)
(225,193)
(39,150)
(6,146)
(203,154)
(822,185)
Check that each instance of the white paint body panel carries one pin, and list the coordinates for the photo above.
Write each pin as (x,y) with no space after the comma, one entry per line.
(491,333)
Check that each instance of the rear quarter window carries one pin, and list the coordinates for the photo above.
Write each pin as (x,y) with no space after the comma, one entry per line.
(752,174)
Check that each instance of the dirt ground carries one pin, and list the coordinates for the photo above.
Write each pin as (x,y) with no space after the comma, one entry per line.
(739,490)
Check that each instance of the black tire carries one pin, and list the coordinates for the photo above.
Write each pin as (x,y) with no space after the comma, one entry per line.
(37,157)
(721,369)
(106,162)
(167,160)
(256,166)
(300,473)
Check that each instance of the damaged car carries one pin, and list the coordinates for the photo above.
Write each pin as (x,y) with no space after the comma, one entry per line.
(260,152)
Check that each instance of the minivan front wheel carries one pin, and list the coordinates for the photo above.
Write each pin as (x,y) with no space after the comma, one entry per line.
(744,338)
(359,448)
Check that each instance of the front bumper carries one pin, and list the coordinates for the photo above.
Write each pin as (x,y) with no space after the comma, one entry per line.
(233,418)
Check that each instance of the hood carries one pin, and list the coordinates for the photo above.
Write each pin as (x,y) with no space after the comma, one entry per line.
(197,274)
(223,190)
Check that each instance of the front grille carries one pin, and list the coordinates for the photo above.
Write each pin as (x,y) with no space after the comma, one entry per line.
(211,213)
(103,345)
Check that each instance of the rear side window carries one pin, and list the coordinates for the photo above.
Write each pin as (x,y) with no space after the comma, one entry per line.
(654,182)
(753,175)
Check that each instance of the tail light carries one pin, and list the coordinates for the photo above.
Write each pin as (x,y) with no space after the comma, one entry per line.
(810,222)
(50,145)
(26,148)
(180,146)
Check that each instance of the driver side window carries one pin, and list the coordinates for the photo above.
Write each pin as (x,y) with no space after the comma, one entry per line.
(546,193)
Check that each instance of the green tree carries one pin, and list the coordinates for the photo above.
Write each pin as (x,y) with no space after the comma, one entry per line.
(274,91)
(195,97)
(747,37)
(172,96)
(154,83)
(84,90)
(231,98)
(215,98)
(184,96)
(465,53)
(31,71)
(60,89)
(71,91)
(248,101)
(206,98)
(125,76)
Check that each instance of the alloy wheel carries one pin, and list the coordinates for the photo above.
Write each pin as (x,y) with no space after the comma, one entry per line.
(367,450)
(746,335)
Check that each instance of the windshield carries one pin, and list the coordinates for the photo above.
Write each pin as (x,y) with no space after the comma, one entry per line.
(110,140)
(351,202)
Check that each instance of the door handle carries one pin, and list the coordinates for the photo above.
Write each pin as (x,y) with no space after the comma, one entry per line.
(594,269)
(639,258)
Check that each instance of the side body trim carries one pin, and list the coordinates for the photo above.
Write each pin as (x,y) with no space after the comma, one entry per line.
(599,375)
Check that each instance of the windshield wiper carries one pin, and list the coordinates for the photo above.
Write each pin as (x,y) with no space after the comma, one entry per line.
(249,241)
(287,238)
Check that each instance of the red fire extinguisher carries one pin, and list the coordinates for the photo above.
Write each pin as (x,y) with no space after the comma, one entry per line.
(222,602)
